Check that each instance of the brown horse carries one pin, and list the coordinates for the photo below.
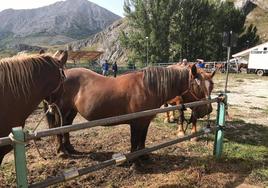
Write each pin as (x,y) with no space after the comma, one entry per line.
(220,67)
(181,118)
(95,96)
(179,100)
(24,82)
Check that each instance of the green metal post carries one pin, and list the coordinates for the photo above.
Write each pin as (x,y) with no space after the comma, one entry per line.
(218,142)
(20,158)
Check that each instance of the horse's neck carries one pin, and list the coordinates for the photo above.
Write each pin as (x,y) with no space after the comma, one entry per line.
(182,85)
(168,93)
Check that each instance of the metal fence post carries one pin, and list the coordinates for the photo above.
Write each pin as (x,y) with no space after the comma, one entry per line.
(220,122)
(20,157)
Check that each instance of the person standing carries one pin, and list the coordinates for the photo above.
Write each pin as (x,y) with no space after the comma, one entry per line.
(105,68)
(200,63)
(184,62)
(114,68)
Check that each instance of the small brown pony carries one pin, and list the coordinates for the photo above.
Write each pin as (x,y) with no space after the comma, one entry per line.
(181,118)
(24,82)
(95,96)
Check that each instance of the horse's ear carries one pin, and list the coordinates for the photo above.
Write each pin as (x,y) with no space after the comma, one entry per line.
(62,56)
(194,71)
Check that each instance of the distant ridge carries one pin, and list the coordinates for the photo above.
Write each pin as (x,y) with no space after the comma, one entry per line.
(59,23)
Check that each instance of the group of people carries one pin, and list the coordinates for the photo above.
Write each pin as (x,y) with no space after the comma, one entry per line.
(200,63)
(105,68)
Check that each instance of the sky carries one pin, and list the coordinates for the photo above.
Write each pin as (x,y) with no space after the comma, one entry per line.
(115,6)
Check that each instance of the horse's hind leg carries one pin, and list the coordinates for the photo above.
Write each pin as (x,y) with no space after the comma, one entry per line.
(167,118)
(172,117)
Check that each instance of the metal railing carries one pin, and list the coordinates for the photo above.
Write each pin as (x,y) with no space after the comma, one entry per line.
(21,137)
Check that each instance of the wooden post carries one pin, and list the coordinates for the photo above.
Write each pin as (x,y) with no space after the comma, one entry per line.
(218,142)
(20,158)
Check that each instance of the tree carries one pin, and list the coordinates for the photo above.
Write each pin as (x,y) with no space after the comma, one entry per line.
(150,22)
(179,29)
(191,26)
(248,39)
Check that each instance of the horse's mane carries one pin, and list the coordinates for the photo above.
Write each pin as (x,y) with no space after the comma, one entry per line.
(161,80)
(16,73)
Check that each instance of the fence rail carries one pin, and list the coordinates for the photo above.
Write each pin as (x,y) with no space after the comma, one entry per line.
(105,121)
(19,147)
(114,161)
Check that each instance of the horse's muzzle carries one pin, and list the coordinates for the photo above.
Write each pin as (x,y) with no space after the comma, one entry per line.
(201,111)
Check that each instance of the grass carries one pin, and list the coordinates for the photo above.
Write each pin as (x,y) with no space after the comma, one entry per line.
(266,110)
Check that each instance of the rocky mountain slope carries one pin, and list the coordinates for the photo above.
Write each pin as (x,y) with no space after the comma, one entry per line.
(257,14)
(108,40)
(58,23)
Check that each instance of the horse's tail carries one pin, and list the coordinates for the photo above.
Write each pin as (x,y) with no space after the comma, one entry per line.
(53,116)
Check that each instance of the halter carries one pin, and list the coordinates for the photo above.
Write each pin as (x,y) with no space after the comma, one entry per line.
(62,78)
(189,90)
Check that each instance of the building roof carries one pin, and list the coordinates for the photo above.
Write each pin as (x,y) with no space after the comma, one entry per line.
(88,55)
(247,51)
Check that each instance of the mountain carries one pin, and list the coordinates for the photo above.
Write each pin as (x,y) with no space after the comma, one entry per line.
(59,23)
(106,41)
(257,14)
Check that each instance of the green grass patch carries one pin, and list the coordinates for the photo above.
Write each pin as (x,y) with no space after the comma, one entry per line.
(260,175)
(245,151)
(266,110)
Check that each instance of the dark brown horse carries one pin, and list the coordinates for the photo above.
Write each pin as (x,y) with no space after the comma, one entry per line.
(24,82)
(95,96)
(181,118)
(179,100)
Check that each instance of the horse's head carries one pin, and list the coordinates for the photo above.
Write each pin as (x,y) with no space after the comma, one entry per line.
(60,59)
(200,86)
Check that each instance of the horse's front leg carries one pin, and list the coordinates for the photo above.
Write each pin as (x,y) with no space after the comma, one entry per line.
(167,118)
(138,136)
(60,147)
(181,131)
(67,144)
(194,128)
(68,120)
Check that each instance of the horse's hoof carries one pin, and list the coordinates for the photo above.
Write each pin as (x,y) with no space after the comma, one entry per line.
(195,139)
(145,157)
(136,166)
(63,155)
(70,149)
(172,119)
(181,134)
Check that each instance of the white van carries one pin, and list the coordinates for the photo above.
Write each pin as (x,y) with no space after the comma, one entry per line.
(258,61)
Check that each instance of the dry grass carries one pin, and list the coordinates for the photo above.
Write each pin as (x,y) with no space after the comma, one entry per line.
(188,164)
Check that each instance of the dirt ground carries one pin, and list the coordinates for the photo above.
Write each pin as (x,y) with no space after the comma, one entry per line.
(188,164)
